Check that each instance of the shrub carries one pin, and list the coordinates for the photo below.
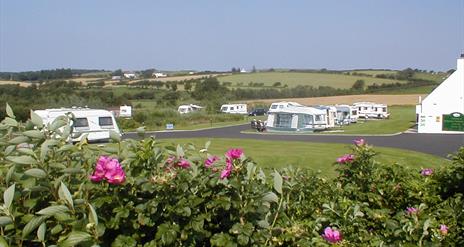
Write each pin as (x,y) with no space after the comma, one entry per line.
(138,193)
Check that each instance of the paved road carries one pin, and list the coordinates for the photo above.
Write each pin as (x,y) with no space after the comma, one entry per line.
(436,144)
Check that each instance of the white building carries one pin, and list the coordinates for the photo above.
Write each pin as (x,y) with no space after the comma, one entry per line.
(130,75)
(183,109)
(442,111)
(159,75)
(297,118)
(125,111)
(371,110)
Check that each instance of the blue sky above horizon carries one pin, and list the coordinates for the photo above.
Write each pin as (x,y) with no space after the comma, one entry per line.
(219,35)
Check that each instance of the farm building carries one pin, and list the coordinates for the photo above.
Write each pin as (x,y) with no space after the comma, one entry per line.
(442,111)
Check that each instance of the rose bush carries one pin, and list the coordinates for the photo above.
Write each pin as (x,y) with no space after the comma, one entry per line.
(139,193)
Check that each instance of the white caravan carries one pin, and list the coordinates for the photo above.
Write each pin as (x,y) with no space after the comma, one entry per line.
(331,115)
(346,114)
(371,110)
(183,109)
(297,118)
(234,108)
(277,106)
(125,111)
(96,123)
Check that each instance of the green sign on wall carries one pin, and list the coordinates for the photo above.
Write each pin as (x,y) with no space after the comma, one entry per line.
(453,122)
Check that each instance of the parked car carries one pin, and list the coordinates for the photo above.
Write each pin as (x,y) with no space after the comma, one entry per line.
(258,112)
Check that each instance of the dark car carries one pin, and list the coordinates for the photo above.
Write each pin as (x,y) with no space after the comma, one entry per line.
(258,112)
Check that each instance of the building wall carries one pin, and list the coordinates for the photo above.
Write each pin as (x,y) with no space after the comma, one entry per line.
(445,99)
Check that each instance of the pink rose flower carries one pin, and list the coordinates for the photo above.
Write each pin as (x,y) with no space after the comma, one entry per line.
(332,236)
(443,229)
(210,161)
(183,163)
(426,172)
(228,170)
(234,153)
(345,159)
(108,169)
(359,142)
(411,210)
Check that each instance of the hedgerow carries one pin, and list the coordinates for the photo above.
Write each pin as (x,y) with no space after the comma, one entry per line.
(139,193)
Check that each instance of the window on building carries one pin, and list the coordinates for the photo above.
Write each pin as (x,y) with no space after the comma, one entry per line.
(307,119)
(318,118)
(384,109)
(273,106)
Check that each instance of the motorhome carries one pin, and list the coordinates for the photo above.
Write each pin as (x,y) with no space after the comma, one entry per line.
(371,110)
(346,114)
(96,123)
(297,118)
(183,109)
(234,108)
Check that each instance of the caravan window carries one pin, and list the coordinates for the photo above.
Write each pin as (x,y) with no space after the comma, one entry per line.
(273,106)
(231,108)
(224,108)
(307,119)
(318,118)
(284,120)
(81,122)
(105,121)
(384,109)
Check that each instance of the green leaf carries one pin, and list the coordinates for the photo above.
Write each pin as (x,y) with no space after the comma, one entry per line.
(93,218)
(36,173)
(8,196)
(278,182)
(72,170)
(76,237)
(36,119)
(19,139)
(5,220)
(34,134)
(10,173)
(116,137)
(58,123)
(33,224)
(26,151)
(64,194)
(66,147)
(9,111)
(52,210)
(180,151)
(41,232)
(207,144)
(271,197)
(10,122)
(45,147)
(9,150)
(3,242)
(23,160)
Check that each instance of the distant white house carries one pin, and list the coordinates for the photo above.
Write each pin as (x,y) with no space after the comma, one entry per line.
(116,77)
(130,75)
(442,111)
(159,75)
(242,70)
(125,111)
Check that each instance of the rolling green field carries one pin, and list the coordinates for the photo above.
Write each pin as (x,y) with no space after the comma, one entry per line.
(315,156)
(293,79)
(413,90)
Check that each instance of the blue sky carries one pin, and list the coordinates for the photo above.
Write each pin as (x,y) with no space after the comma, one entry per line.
(219,35)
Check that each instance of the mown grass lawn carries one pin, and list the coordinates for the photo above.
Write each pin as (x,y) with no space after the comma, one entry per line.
(315,156)
(293,79)
(401,118)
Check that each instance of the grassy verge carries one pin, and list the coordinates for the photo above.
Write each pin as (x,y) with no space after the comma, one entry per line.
(315,156)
